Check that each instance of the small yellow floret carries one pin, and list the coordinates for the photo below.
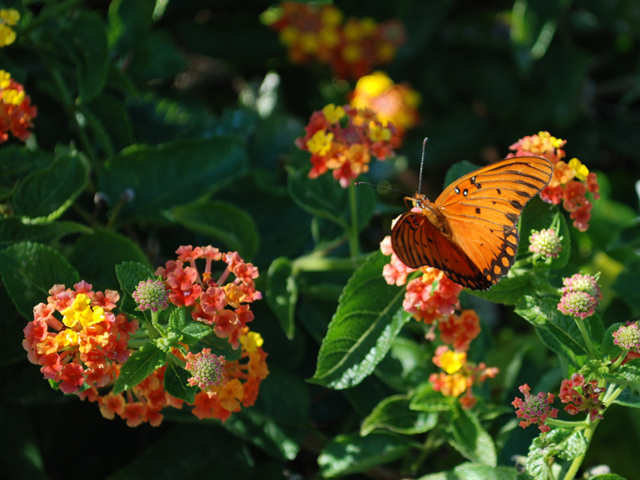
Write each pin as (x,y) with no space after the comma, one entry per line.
(67,338)
(251,341)
(10,16)
(451,361)
(378,133)
(374,84)
(7,36)
(581,170)
(13,97)
(4,79)
(332,113)
(320,143)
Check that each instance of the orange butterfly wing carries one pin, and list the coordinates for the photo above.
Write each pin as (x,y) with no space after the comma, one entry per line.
(476,239)
(417,242)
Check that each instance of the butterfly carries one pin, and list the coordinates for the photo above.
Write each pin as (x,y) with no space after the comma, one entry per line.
(470,231)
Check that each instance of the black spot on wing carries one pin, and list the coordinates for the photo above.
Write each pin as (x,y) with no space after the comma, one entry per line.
(512,217)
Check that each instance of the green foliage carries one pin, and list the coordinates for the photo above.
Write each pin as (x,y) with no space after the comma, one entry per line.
(360,334)
(139,366)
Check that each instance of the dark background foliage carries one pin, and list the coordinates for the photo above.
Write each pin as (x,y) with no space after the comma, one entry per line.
(115,80)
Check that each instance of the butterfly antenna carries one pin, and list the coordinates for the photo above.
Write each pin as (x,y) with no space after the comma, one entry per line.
(383,188)
(424,143)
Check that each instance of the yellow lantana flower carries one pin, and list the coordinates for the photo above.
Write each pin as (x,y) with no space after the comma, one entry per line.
(582,172)
(10,16)
(251,341)
(320,143)
(451,361)
(333,113)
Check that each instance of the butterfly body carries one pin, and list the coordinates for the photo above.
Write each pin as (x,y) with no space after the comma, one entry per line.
(470,232)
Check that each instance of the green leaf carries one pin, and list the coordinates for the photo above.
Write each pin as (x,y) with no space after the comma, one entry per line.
(89,36)
(609,349)
(45,194)
(277,422)
(219,346)
(325,198)
(129,21)
(109,114)
(394,414)
(165,176)
(139,366)
(574,446)
(157,58)
(544,314)
(282,294)
(347,454)
(130,274)
(469,438)
(474,471)
(178,318)
(627,375)
(627,285)
(368,318)
(95,255)
(564,443)
(607,476)
(628,398)
(16,163)
(221,221)
(427,399)
(508,291)
(196,330)
(175,382)
(189,452)
(29,270)
(14,230)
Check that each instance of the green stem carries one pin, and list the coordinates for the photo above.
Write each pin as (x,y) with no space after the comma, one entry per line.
(577,462)
(158,329)
(430,443)
(311,263)
(619,361)
(612,394)
(554,422)
(354,245)
(587,340)
(115,212)
(71,112)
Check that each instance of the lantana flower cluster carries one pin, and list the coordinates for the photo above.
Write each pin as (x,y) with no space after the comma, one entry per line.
(580,295)
(535,410)
(433,299)
(582,396)
(546,243)
(8,18)
(221,303)
(16,111)
(395,103)
(570,182)
(459,375)
(77,339)
(319,32)
(83,352)
(344,139)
